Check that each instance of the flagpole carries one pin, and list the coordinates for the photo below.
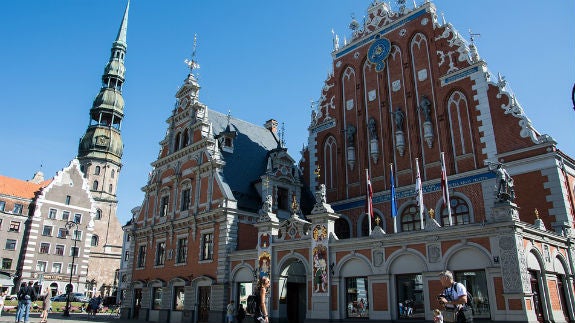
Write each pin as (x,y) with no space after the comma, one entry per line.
(419,188)
(393,201)
(445,188)
(369,193)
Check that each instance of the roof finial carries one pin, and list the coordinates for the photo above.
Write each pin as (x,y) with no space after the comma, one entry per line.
(123,31)
(472,47)
(443,18)
(193,63)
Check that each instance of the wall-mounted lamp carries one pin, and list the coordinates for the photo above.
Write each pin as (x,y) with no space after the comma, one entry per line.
(496,259)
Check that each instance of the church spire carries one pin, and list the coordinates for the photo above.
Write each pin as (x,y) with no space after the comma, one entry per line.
(121,38)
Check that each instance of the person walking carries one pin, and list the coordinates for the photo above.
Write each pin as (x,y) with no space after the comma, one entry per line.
(262,314)
(241,313)
(2,298)
(454,298)
(46,304)
(230,312)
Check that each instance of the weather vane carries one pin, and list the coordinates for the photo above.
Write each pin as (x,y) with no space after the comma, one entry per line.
(192,63)
(316,172)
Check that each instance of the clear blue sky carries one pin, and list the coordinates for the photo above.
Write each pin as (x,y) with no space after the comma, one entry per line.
(259,59)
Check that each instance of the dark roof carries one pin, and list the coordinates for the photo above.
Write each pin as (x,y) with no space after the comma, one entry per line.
(248,161)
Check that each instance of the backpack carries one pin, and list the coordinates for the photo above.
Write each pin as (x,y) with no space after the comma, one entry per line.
(252,306)
(469,303)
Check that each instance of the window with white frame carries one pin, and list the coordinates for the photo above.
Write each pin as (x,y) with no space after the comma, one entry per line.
(95,240)
(44,247)
(70,269)
(6,263)
(62,233)
(207,246)
(14,226)
(10,244)
(52,214)
(57,267)
(59,250)
(18,208)
(65,215)
(2,206)
(77,234)
(47,230)
(41,266)
(78,218)
(74,251)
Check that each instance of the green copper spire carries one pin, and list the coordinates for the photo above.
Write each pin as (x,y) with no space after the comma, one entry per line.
(121,38)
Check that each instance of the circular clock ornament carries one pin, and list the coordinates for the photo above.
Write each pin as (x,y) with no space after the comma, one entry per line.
(378,52)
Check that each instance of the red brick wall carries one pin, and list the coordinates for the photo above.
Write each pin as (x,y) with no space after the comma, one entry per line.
(515,304)
(380,301)
(554,295)
(333,298)
(499,299)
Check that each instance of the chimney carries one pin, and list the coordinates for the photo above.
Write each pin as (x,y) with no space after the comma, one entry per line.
(272,125)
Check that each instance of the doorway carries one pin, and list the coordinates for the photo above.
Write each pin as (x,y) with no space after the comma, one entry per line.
(137,302)
(204,303)
(537,305)
(292,293)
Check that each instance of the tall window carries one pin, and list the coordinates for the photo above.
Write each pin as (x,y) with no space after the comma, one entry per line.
(157,294)
(78,218)
(41,266)
(207,246)
(95,186)
(164,206)
(14,226)
(356,296)
(410,294)
(6,263)
(126,256)
(330,162)
(141,256)
(52,214)
(74,251)
(18,208)
(57,267)
(185,199)
(65,215)
(97,170)
(459,212)
(44,247)
(98,214)
(77,235)
(341,228)
(160,253)
(178,298)
(47,230)
(110,187)
(59,250)
(410,219)
(182,253)
(113,173)
(95,240)
(10,244)
(73,270)
(283,199)
(68,199)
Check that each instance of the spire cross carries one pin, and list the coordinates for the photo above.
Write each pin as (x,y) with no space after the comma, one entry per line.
(471,35)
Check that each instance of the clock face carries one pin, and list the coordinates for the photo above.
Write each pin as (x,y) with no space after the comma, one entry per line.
(378,52)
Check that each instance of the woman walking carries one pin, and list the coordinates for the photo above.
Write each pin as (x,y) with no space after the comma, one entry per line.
(47,303)
(261,316)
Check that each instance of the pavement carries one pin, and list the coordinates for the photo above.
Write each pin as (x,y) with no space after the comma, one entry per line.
(74,317)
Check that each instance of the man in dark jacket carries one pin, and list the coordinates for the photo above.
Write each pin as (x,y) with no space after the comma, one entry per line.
(26,295)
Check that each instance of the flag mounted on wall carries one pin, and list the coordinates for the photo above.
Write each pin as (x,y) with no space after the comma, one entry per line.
(393,201)
(445,188)
(369,195)
(419,193)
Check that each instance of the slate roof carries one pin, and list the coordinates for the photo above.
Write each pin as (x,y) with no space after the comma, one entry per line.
(248,161)
(16,187)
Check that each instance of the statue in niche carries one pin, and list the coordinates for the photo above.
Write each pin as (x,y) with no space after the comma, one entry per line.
(320,195)
(505,187)
(425,106)
(399,117)
(350,134)
(372,128)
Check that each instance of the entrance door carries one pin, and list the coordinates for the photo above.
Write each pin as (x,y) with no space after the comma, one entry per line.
(204,303)
(137,302)
(295,302)
(536,296)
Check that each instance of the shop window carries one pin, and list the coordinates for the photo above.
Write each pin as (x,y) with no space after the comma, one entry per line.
(459,212)
(178,298)
(356,297)
(476,285)
(410,219)
(410,296)
(157,298)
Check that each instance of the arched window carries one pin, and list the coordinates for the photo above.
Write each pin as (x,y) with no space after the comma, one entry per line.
(365,224)
(110,188)
(95,186)
(186,139)
(459,212)
(177,142)
(410,219)
(341,228)
(95,240)
(97,170)
(330,162)
(113,174)
(98,214)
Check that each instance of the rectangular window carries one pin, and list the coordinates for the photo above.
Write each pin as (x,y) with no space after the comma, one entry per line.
(70,269)
(59,250)
(142,256)
(65,215)
(207,246)
(78,218)
(182,253)
(2,206)
(157,296)
(10,244)
(41,266)
(57,267)
(62,233)
(67,199)
(18,208)
(356,296)
(164,206)
(44,247)
(14,226)
(160,253)
(185,200)
(127,256)
(77,235)
(6,263)
(47,230)
(74,251)
(178,298)
(52,214)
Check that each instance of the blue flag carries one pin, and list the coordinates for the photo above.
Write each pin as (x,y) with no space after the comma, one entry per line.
(393,203)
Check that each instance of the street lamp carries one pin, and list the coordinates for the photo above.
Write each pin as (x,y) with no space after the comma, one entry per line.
(70,287)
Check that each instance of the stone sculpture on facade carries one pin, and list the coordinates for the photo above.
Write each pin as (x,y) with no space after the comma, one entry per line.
(425,106)
(399,118)
(505,187)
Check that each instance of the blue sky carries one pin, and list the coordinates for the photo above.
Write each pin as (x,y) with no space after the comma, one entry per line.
(259,59)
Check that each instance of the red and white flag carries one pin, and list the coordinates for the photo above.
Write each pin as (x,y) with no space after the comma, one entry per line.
(419,192)
(369,195)
(445,188)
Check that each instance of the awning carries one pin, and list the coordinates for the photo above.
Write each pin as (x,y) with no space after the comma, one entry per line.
(6,281)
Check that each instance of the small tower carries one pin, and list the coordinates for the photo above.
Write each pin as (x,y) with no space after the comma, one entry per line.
(100,155)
